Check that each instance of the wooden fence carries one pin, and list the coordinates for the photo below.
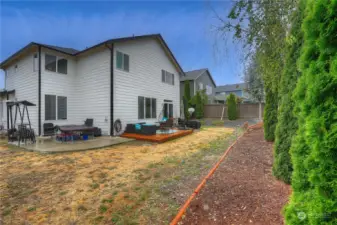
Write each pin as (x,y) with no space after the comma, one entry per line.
(245,110)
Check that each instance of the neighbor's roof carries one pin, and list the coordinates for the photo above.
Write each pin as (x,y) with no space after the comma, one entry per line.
(231,87)
(74,52)
(194,74)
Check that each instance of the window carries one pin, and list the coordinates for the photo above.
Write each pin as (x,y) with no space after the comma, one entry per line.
(16,68)
(167,77)
(122,61)
(53,63)
(201,86)
(147,108)
(62,65)
(50,107)
(50,63)
(208,90)
(140,107)
(35,62)
(61,108)
(154,108)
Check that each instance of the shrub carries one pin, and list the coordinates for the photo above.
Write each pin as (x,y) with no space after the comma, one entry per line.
(270,115)
(231,107)
(314,149)
(287,123)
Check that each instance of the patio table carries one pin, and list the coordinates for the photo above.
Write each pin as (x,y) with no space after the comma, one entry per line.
(69,129)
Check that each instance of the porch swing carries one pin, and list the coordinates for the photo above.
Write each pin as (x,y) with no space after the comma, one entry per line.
(24,131)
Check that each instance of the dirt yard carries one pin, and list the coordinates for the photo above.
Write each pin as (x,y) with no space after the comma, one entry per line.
(126,184)
(242,190)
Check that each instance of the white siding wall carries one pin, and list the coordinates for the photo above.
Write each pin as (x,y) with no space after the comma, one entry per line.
(87,84)
(53,83)
(147,59)
(25,83)
(92,89)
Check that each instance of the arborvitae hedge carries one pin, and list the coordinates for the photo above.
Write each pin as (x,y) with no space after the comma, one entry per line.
(231,107)
(287,122)
(270,115)
(314,150)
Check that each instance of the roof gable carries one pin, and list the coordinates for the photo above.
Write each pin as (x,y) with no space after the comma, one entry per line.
(74,52)
(194,74)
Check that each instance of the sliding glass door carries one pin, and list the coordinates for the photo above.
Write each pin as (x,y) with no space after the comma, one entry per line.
(168,109)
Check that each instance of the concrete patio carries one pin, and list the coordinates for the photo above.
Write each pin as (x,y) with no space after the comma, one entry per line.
(52,146)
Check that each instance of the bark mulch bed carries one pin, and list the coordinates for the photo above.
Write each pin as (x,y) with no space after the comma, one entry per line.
(242,190)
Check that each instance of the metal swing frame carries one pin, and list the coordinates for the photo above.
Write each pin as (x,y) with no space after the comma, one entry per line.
(22,133)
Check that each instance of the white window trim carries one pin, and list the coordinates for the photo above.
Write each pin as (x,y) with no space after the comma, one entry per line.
(144,104)
(123,54)
(56,108)
(56,68)
(166,80)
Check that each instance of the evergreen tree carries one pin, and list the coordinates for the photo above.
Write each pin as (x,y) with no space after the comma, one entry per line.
(314,148)
(231,107)
(287,122)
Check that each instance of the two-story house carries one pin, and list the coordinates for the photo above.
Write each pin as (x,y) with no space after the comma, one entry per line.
(239,89)
(199,80)
(134,79)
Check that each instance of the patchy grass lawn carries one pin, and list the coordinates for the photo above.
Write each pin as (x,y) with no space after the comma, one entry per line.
(133,183)
(212,122)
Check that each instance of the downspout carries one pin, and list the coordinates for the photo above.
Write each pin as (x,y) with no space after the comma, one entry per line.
(111,88)
(7,113)
(39,92)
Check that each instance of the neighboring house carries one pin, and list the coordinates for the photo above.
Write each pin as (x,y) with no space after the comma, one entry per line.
(239,90)
(199,80)
(132,79)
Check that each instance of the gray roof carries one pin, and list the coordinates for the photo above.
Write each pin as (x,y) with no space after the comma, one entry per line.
(62,49)
(231,87)
(192,75)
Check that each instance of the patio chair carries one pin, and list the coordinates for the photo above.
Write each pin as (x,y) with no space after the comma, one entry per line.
(48,129)
(89,122)
(167,125)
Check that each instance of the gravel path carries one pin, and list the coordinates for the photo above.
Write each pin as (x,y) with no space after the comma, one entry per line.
(242,190)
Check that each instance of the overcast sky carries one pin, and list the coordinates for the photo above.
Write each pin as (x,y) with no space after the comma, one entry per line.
(187,27)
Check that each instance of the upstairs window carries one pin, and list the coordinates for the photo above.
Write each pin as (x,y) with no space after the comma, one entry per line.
(122,61)
(56,64)
(35,62)
(208,90)
(50,63)
(62,65)
(167,77)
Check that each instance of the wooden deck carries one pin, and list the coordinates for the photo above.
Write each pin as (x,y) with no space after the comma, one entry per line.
(159,138)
